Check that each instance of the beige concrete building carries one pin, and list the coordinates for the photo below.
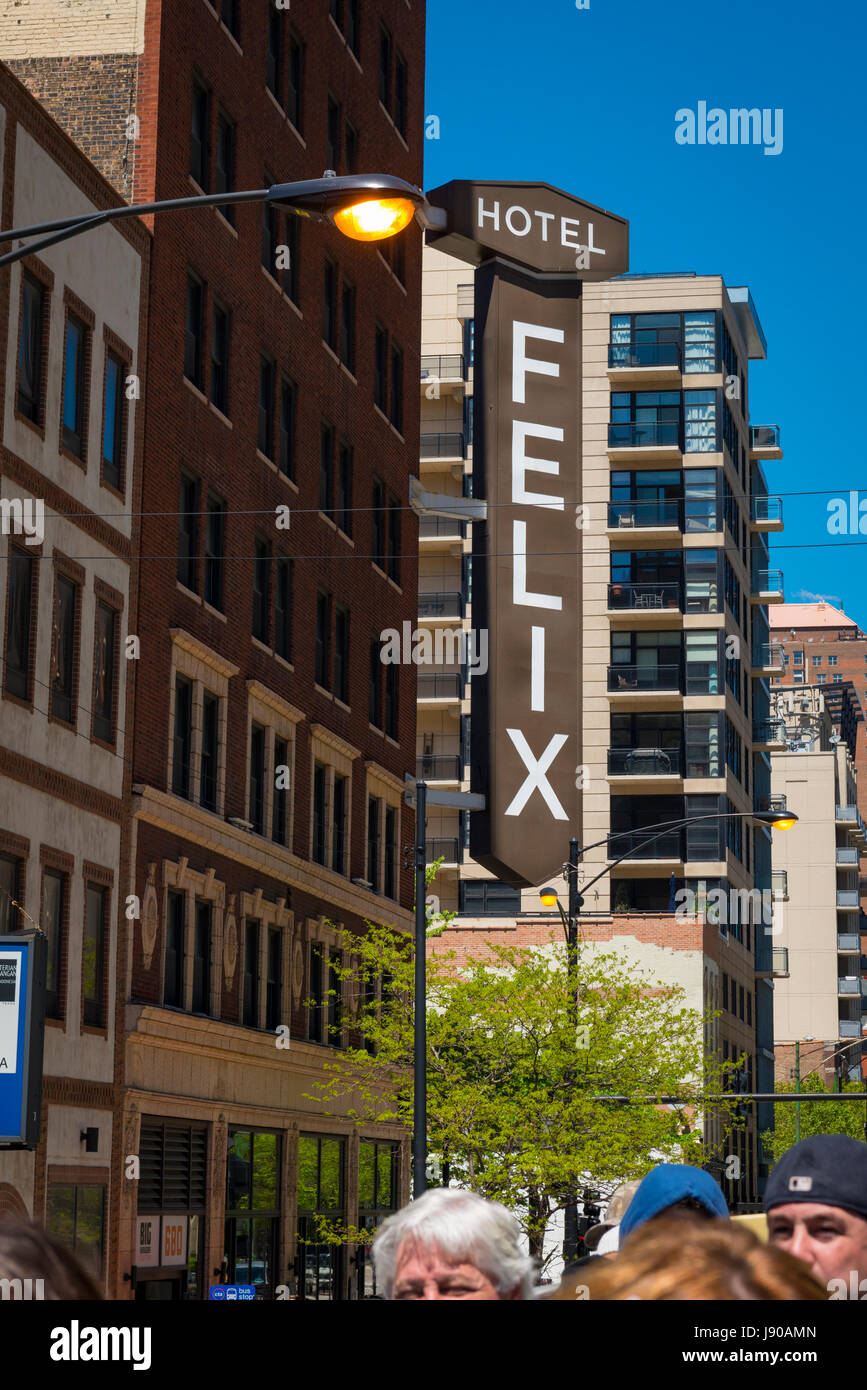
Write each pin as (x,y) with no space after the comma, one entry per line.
(675,645)
(821,1001)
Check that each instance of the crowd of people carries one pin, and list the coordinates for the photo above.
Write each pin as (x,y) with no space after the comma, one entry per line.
(668,1237)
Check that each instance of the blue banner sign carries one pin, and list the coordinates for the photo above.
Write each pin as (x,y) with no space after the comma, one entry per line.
(22,1021)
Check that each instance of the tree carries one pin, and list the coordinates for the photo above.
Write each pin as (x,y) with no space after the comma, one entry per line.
(511,1072)
(816,1117)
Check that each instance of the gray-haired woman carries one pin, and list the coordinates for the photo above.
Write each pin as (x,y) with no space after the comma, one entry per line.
(452,1244)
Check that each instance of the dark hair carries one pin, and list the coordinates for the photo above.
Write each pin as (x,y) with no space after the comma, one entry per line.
(27,1251)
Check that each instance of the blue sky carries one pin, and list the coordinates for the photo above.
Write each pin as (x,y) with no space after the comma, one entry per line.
(586,100)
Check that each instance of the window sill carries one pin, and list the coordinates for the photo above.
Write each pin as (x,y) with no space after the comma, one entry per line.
(196,390)
(352,377)
(323,516)
(388,116)
(320,690)
(225,221)
(331,353)
(264,457)
(196,187)
(19,700)
(280,290)
(94,1030)
(110,487)
(374,730)
(295,131)
(221,415)
(283,662)
(31,424)
(188,593)
(347,710)
(393,741)
(73,458)
(263,647)
(344,535)
(215,612)
(394,584)
(275,468)
(231,37)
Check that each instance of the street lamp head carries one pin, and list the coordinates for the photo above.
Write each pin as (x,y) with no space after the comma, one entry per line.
(777,820)
(365,207)
(549,897)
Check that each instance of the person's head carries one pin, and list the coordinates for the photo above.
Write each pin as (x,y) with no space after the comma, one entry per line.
(452,1244)
(816,1204)
(617,1205)
(29,1252)
(672,1188)
(670,1260)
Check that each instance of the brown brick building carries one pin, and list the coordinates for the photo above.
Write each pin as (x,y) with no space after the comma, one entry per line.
(270,742)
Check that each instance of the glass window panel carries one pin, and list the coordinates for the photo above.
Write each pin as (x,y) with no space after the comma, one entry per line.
(61,1212)
(238,1171)
(265,1154)
(242,1252)
(308,1170)
(261,1261)
(88,1224)
(330,1174)
(384,1159)
(366,1175)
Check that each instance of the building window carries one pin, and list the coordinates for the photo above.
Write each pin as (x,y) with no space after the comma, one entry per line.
(201,1002)
(173,979)
(391,700)
(837,678)
(290,278)
(74,386)
(400,104)
(326,470)
(379,523)
(347,325)
(114,422)
(489,898)
(253,1209)
(64,650)
(380,368)
(377,1199)
(231,17)
(350,148)
(389,886)
(187,531)
(54,897)
(394,539)
(334,1005)
(323,640)
(344,488)
(31,335)
(194,335)
(374,707)
(340,805)
(220,359)
(250,1015)
(341,653)
(295,104)
(353,25)
(265,440)
(396,399)
(702,663)
(270,231)
(210,751)
(283,608)
(261,589)
(385,52)
(94,956)
(199,133)
(279,818)
(20,623)
(329,304)
(288,399)
(225,173)
(10,891)
(274,56)
(320,1194)
(374,811)
(183,737)
(700,422)
(320,783)
(215,532)
(105,654)
(76,1216)
(257,778)
(333,124)
(274,980)
(832,660)
(316,1004)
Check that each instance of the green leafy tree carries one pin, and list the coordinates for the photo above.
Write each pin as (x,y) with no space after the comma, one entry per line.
(824,1117)
(512,1069)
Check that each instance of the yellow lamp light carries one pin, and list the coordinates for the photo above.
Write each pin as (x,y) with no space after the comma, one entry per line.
(375,218)
(548,896)
(785,823)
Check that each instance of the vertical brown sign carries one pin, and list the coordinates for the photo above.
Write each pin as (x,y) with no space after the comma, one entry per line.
(526,711)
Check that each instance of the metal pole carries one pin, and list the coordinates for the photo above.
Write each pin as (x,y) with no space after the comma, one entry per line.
(419,1128)
(797,1090)
(570,1214)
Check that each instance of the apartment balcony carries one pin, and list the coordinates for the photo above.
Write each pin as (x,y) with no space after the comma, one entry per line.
(644,363)
(770,803)
(646,519)
(439,689)
(779,885)
(445,371)
(772,962)
(659,597)
(438,767)
(850,942)
(849,818)
(847,856)
(445,847)
(648,441)
(645,762)
(765,442)
(441,534)
(849,1028)
(645,680)
(770,736)
(767,659)
(851,984)
(441,606)
(848,900)
(442,448)
(766,513)
(767,587)
(638,845)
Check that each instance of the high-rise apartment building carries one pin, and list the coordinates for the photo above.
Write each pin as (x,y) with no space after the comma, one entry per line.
(270,741)
(673,643)
(821,1002)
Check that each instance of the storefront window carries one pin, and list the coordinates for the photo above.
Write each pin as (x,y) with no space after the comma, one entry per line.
(377,1199)
(321,1163)
(253,1209)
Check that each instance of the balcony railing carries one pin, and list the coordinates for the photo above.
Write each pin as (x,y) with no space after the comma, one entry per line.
(769,731)
(780,885)
(448,367)
(770,803)
(772,961)
(647,595)
(644,762)
(849,941)
(847,855)
(430,526)
(438,767)
(644,355)
(848,898)
(437,685)
(634,512)
(849,1028)
(768,582)
(765,437)
(644,678)
(442,847)
(633,844)
(849,984)
(442,446)
(645,434)
(447,604)
(767,654)
(764,508)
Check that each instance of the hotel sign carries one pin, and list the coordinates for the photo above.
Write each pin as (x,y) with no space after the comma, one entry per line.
(533,245)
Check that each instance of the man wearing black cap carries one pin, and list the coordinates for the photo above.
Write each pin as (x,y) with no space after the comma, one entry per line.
(816,1204)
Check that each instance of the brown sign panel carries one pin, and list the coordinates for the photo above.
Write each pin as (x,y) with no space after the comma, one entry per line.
(526,711)
(532,224)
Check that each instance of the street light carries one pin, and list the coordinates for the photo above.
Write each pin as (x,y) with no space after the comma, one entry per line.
(365,207)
